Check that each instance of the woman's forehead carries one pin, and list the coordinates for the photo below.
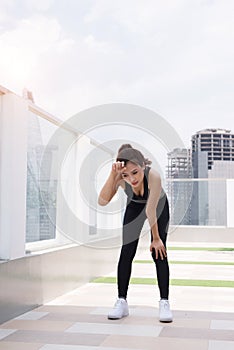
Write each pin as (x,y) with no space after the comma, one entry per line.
(131,166)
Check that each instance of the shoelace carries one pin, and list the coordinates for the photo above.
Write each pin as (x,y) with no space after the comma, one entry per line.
(118,302)
(166,305)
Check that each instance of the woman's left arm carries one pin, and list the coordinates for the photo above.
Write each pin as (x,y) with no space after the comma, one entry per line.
(155,187)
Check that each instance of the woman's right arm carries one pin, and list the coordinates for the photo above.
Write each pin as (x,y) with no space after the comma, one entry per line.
(111,185)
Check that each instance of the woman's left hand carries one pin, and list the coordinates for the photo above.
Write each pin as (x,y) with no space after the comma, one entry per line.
(159,248)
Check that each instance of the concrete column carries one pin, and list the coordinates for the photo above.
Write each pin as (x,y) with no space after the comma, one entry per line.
(230,202)
(13,175)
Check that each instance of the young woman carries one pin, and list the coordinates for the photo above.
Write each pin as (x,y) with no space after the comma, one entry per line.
(145,200)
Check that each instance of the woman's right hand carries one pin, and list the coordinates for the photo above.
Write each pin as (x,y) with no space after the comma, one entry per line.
(112,183)
(118,167)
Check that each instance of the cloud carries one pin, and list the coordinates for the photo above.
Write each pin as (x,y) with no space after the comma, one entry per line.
(41,6)
(5,7)
(24,45)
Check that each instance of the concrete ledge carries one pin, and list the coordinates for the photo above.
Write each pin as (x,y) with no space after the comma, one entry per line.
(34,280)
(207,234)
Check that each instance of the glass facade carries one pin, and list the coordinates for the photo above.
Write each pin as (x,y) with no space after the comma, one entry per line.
(41,216)
(62,186)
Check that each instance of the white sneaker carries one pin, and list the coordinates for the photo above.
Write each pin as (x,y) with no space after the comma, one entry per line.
(165,314)
(119,310)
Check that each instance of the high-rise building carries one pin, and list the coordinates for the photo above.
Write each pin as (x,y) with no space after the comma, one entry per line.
(212,159)
(179,170)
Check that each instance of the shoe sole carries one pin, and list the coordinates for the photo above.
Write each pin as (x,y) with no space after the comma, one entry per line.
(116,318)
(166,321)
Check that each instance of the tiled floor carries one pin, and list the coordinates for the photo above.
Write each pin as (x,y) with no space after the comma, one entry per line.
(68,327)
(203,319)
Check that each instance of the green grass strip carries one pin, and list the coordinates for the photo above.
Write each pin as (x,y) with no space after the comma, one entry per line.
(173,282)
(210,249)
(188,262)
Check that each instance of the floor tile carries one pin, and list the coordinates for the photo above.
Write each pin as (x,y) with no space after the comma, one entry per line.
(222,324)
(6,332)
(108,328)
(151,343)
(19,346)
(56,338)
(221,345)
(80,347)
(64,309)
(75,318)
(38,325)
(194,333)
(32,315)
(192,314)
(177,322)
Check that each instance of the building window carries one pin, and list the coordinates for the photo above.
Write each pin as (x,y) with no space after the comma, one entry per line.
(226,143)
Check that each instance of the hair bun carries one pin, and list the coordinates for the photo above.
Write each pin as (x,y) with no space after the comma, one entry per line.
(124,146)
(127,153)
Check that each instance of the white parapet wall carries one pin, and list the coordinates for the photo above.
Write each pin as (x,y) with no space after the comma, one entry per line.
(209,234)
(13,175)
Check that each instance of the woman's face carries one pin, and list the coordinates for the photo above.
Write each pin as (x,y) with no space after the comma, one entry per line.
(133,174)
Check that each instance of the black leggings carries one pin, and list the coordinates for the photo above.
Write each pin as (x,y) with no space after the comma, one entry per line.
(134,219)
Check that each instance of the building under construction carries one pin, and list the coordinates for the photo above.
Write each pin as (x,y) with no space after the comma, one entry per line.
(179,171)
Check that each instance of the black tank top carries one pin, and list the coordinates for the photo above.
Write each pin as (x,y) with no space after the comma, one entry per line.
(133,198)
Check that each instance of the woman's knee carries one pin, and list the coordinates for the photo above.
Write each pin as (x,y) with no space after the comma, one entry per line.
(128,251)
(159,261)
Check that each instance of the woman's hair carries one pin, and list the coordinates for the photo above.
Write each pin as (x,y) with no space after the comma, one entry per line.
(127,153)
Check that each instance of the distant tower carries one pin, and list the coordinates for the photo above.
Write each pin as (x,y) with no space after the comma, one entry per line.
(212,158)
(179,191)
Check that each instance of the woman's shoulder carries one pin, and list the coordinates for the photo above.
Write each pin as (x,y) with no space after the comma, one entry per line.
(152,172)
(154,177)
(122,184)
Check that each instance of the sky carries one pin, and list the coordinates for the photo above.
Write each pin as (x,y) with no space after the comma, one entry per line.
(175,57)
